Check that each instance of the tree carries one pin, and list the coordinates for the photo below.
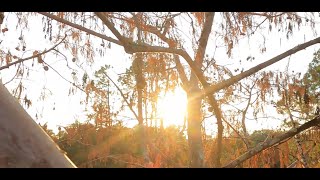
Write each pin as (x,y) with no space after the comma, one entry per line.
(159,33)
(23,142)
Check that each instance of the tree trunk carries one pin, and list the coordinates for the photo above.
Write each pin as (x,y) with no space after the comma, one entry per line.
(216,109)
(23,143)
(194,126)
(140,82)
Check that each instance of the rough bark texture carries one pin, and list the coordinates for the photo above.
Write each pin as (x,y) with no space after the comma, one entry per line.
(23,143)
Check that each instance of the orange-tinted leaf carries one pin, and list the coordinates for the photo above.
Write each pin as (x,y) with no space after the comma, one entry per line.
(8,58)
(200,17)
(74,51)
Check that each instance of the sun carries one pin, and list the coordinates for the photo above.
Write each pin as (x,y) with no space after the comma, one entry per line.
(172,108)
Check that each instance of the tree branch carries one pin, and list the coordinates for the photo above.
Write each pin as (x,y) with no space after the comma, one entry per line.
(244,139)
(131,47)
(181,71)
(31,57)
(234,79)
(203,41)
(123,96)
(292,165)
(244,112)
(61,20)
(274,141)
(143,47)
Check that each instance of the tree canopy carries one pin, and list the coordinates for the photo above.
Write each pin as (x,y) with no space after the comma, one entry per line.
(233,67)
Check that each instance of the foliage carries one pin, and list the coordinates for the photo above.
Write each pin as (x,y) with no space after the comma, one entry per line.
(156,42)
(113,146)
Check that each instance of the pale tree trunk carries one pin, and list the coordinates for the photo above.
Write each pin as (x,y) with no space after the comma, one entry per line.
(23,143)
(194,125)
(140,83)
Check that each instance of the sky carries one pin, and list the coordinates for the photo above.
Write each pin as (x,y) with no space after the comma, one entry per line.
(61,109)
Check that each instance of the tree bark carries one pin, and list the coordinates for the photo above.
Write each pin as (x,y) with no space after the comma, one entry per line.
(217,112)
(194,125)
(195,98)
(140,84)
(24,144)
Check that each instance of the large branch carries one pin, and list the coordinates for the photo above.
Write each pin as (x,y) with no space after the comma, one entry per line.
(110,25)
(203,41)
(23,142)
(31,57)
(171,43)
(181,71)
(274,141)
(133,48)
(61,20)
(234,79)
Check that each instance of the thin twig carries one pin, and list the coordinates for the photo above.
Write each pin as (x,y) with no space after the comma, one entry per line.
(33,56)
(123,96)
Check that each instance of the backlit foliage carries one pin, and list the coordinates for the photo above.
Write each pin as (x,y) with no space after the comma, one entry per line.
(104,141)
(112,146)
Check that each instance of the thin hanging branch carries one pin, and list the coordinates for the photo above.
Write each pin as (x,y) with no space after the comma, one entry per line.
(61,20)
(33,56)
(123,96)
(132,47)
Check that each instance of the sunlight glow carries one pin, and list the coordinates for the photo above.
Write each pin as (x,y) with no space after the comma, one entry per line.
(172,108)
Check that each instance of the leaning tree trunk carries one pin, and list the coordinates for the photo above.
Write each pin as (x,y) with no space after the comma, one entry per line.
(23,143)
(194,126)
